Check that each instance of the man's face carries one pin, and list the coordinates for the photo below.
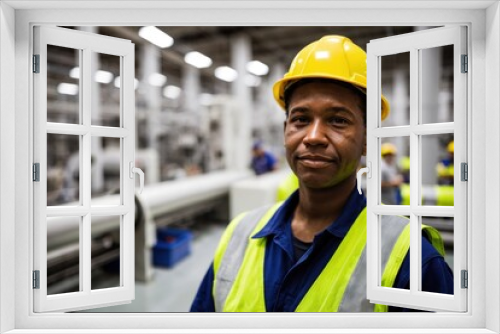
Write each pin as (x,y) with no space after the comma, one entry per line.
(325,135)
(257,152)
(389,158)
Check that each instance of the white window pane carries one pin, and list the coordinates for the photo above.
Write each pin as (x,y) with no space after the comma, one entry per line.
(395,81)
(395,171)
(106,105)
(437,170)
(107,166)
(445,227)
(63,255)
(436,84)
(63,91)
(106,235)
(63,169)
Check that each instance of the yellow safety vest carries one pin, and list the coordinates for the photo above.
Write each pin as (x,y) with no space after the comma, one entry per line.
(445,171)
(287,187)
(341,287)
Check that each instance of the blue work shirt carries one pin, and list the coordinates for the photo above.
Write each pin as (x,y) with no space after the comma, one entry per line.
(286,280)
(264,163)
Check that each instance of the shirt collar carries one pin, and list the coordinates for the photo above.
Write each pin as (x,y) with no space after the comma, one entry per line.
(339,228)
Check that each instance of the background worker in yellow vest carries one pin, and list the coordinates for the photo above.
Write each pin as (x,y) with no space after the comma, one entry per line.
(445,168)
(307,254)
(390,177)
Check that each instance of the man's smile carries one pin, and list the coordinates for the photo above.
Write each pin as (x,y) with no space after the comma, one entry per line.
(314,160)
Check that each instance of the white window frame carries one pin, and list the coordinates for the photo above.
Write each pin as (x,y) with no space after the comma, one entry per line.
(87,210)
(17,19)
(414,43)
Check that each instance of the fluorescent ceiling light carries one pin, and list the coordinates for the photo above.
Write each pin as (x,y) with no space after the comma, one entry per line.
(206,99)
(75,73)
(197,59)
(252,80)
(258,68)
(100,76)
(67,88)
(226,73)
(157,79)
(118,82)
(156,36)
(103,76)
(172,92)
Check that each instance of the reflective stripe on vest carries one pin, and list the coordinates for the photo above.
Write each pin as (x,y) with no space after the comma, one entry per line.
(440,195)
(346,270)
(341,286)
(232,257)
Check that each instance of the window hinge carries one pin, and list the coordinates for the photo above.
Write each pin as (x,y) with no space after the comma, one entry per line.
(36,172)
(465,64)
(36,279)
(464,171)
(36,63)
(465,279)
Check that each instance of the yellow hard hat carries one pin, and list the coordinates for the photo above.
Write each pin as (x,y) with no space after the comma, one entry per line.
(331,57)
(451,147)
(388,148)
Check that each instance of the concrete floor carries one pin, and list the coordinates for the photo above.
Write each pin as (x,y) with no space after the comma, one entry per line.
(173,289)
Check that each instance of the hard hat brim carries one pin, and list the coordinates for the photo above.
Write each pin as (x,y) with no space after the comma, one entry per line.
(279,89)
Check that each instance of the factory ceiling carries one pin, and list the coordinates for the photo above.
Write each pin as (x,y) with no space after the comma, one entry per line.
(270,44)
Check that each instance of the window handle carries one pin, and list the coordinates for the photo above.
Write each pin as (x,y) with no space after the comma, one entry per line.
(360,173)
(136,170)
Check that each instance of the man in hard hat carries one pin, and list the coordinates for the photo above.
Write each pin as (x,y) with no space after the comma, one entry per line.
(445,168)
(390,178)
(306,254)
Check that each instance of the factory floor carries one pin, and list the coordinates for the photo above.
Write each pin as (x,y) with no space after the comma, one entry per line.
(173,289)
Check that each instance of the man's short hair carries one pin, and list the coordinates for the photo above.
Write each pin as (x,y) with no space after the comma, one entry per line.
(291,89)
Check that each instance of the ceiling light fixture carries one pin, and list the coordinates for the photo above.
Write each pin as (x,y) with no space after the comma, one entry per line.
(67,88)
(104,77)
(157,79)
(117,82)
(197,59)
(226,73)
(100,76)
(257,67)
(172,92)
(156,36)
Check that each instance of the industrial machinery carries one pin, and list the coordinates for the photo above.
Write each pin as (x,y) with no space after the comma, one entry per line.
(159,204)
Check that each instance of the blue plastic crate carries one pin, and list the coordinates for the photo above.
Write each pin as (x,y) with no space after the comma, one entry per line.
(172,245)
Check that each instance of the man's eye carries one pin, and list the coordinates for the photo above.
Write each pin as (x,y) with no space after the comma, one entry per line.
(299,119)
(339,120)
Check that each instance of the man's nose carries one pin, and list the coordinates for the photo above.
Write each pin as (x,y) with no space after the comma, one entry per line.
(316,134)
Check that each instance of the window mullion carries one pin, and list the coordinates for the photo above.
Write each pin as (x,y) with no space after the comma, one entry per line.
(415,173)
(85,182)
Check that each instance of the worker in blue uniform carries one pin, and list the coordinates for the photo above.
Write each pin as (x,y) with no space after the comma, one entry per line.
(307,254)
(262,160)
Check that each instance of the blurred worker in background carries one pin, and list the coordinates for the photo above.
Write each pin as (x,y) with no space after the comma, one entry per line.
(391,178)
(404,166)
(306,254)
(445,168)
(262,160)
